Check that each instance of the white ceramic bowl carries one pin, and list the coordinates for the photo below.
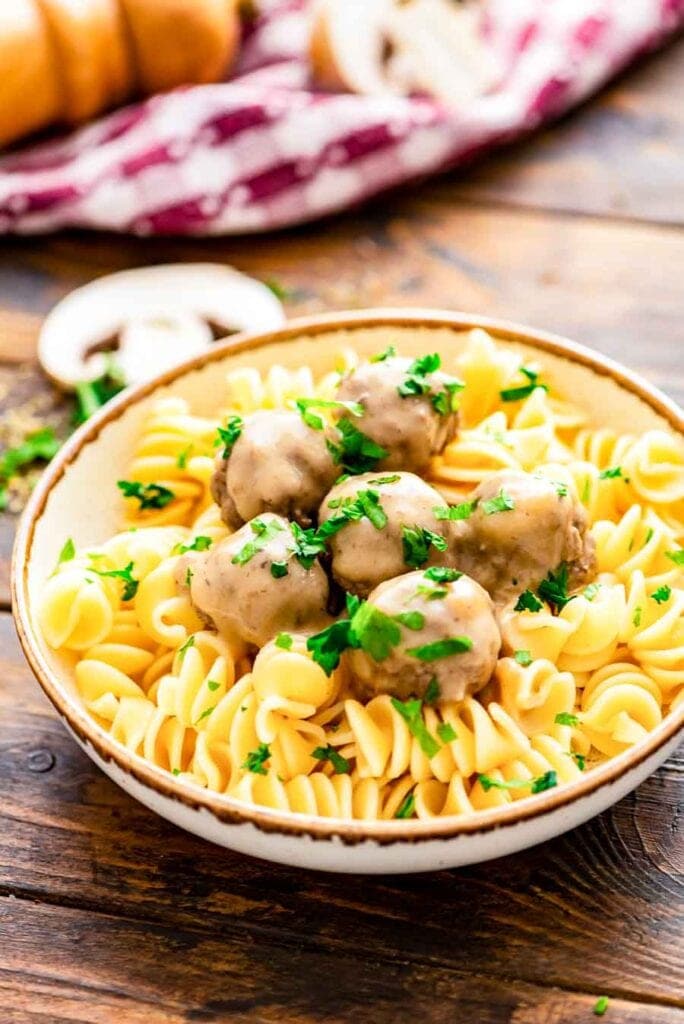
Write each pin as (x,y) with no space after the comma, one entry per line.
(74,498)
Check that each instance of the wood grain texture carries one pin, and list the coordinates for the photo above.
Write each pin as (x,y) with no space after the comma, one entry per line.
(109,914)
(599,910)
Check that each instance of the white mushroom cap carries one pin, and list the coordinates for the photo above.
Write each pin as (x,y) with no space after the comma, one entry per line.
(154,316)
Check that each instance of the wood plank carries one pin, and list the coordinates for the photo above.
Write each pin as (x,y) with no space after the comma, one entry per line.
(621,155)
(614,887)
(96,968)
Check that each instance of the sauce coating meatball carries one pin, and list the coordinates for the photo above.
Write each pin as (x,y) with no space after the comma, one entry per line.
(393,528)
(457,641)
(411,429)
(521,528)
(278,464)
(234,587)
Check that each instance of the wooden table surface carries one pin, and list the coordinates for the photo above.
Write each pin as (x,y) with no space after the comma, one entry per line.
(108,914)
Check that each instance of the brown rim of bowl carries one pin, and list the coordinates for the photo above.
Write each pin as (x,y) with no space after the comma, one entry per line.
(227,809)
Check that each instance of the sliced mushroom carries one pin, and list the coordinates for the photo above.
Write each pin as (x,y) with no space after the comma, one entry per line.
(153,317)
(402,47)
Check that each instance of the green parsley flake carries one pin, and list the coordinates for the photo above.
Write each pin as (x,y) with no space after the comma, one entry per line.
(501,503)
(676,556)
(614,473)
(375,632)
(389,353)
(228,435)
(256,759)
(408,807)
(566,718)
(278,570)
(412,620)
(431,593)
(586,491)
(455,512)
(523,658)
(554,589)
(538,785)
(355,452)
(580,760)
(636,620)
(662,595)
(328,646)
(528,602)
(305,405)
(205,714)
(432,692)
(67,553)
(416,384)
(340,764)
(446,732)
(126,575)
(190,642)
(442,574)
(213,685)
(391,479)
(183,457)
(600,1006)
(148,495)
(592,591)
(264,533)
(200,543)
(411,712)
(416,542)
(441,648)
(284,641)
(649,536)
(517,394)
(188,576)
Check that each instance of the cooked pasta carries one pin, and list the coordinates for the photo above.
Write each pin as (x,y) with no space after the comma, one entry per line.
(584,672)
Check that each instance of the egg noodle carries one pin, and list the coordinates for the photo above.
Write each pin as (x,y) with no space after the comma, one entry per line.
(578,685)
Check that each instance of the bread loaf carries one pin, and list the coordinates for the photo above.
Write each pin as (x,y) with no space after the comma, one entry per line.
(65,61)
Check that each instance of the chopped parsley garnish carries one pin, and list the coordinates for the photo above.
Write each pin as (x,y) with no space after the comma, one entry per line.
(676,556)
(432,692)
(369,502)
(339,763)
(455,512)
(517,394)
(614,473)
(391,479)
(566,718)
(148,495)
(366,504)
(523,658)
(284,641)
(67,553)
(355,452)
(205,714)
(380,357)
(278,289)
(366,628)
(649,536)
(412,713)
(188,576)
(408,807)
(412,620)
(126,575)
(416,383)
(213,685)
(442,574)
(446,732)
(416,542)
(328,646)
(586,491)
(308,544)
(228,435)
(200,543)
(662,595)
(183,457)
(278,570)
(93,394)
(256,759)
(580,760)
(190,642)
(600,1006)
(554,589)
(175,771)
(441,648)
(305,405)
(592,591)
(636,619)
(263,535)
(538,785)
(528,602)
(431,593)
(501,503)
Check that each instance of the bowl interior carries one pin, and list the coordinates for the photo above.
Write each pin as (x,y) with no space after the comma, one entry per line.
(81,499)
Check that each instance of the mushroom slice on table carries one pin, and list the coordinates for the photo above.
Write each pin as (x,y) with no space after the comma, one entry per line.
(402,47)
(152,318)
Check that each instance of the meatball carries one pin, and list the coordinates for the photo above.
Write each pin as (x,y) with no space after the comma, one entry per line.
(411,429)
(390,527)
(451,636)
(521,528)
(278,464)
(234,586)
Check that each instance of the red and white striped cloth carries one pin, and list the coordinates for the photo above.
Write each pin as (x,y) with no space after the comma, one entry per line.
(265,150)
